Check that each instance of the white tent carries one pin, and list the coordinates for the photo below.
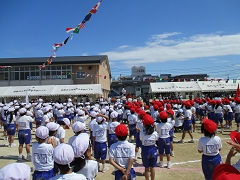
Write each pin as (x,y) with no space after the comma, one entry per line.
(214,86)
(187,87)
(162,87)
(50,90)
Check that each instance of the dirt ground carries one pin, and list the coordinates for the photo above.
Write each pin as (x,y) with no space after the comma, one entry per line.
(186,162)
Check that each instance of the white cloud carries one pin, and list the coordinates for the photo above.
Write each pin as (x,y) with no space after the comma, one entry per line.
(160,48)
(84,54)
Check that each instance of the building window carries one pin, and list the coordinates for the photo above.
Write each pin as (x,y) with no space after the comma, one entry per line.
(80,75)
(4,74)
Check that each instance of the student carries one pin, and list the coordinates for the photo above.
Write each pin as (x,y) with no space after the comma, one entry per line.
(171,120)
(235,137)
(92,123)
(218,109)
(52,139)
(64,124)
(45,118)
(225,172)
(63,156)
(38,115)
(149,151)
(100,142)
(42,154)
(139,129)
(121,155)
(11,127)
(19,171)
(210,146)
(187,123)
(24,133)
(82,116)
(112,138)
(78,128)
(132,120)
(178,123)
(163,130)
(82,163)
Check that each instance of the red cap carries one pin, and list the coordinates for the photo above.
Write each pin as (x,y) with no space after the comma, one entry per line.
(218,102)
(132,110)
(225,172)
(121,130)
(148,120)
(163,115)
(155,107)
(209,125)
(170,111)
(168,106)
(142,113)
(146,107)
(188,104)
(235,136)
(160,109)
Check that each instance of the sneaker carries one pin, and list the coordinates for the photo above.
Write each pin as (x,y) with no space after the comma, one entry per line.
(172,154)
(29,158)
(191,141)
(194,130)
(174,136)
(99,169)
(181,141)
(13,145)
(21,158)
(160,165)
(105,169)
(169,165)
(5,138)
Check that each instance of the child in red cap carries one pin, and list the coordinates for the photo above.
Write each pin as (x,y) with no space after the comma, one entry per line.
(122,154)
(149,151)
(132,121)
(209,146)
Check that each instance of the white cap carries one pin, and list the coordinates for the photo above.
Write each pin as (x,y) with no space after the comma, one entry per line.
(103,111)
(15,171)
(45,109)
(95,109)
(52,126)
(39,106)
(180,110)
(106,107)
(80,145)
(99,119)
(93,114)
(22,110)
(5,108)
(67,122)
(114,115)
(17,107)
(78,126)
(28,106)
(11,109)
(119,106)
(63,154)
(80,112)
(42,132)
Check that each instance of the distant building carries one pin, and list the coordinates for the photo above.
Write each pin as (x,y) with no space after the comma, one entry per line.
(138,71)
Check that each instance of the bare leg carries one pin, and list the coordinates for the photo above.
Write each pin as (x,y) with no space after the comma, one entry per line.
(152,170)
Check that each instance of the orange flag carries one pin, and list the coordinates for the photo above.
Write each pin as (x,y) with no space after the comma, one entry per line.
(237,93)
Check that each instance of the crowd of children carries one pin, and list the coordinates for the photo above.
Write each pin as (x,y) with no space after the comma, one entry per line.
(147,127)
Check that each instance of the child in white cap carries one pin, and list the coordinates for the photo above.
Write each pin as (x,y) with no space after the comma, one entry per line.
(42,154)
(100,141)
(53,127)
(64,124)
(19,171)
(63,156)
(92,123)
(78,128)
(82,163)
(112,138)
(11,126)
(24,133)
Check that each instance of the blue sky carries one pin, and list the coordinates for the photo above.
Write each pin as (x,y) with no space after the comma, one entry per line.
(165,36)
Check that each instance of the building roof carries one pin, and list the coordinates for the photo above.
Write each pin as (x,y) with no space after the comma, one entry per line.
(57,60)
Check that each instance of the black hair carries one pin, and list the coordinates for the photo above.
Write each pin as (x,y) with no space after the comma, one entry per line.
(15,112)
(63,168)
(5,113)
(51,133)
(23,114)
(11,117)
(61,123)
(148,113)
(163,120)
(148,129)
(205,132)
(78,164)
(187,107)
(121,138)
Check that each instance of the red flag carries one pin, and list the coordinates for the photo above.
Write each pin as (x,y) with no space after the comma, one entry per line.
(237,93)
(95,8)
(219,80)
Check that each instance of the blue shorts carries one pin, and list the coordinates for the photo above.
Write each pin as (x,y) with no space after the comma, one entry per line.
(31,125)
(24,136)
(43,175)
(230,116)
(119,118)
(119,175)
(100,150)
(138,141)
(112,138)
(5,126)
(209,115)
(218,118)
(149,156)
(132,129)
(198,111)
(193,119)
(68,116)
(11,129)
(209,163)
(187,125)
(59,119)
(164,145)
(201,112)
(212,116)
(237,117)
(39,121)
(225,117)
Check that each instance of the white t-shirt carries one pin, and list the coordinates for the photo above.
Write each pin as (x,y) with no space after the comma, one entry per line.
(154,115)
(38,113)
(163,129)
(210,146)
(179,122)
(92,124)
(228,107)
(45,120)
(23,122)
(71,139)
(90,170)
(218,110)
(60,113)
(56,139)
(121,152)
(72,176)
(237,108)
(132,119)
(111,127)
(148,140)
(82,119)
(42,156)
(60,133)
(139,125)
(13,119)
(100,132)
(188,114)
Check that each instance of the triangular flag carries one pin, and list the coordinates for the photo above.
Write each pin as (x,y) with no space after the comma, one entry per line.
(66,40)
(87,17)
(227,80)
(219,80)
(49,60)
(95,8)
(70,29)
(237,93)
(54,55)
